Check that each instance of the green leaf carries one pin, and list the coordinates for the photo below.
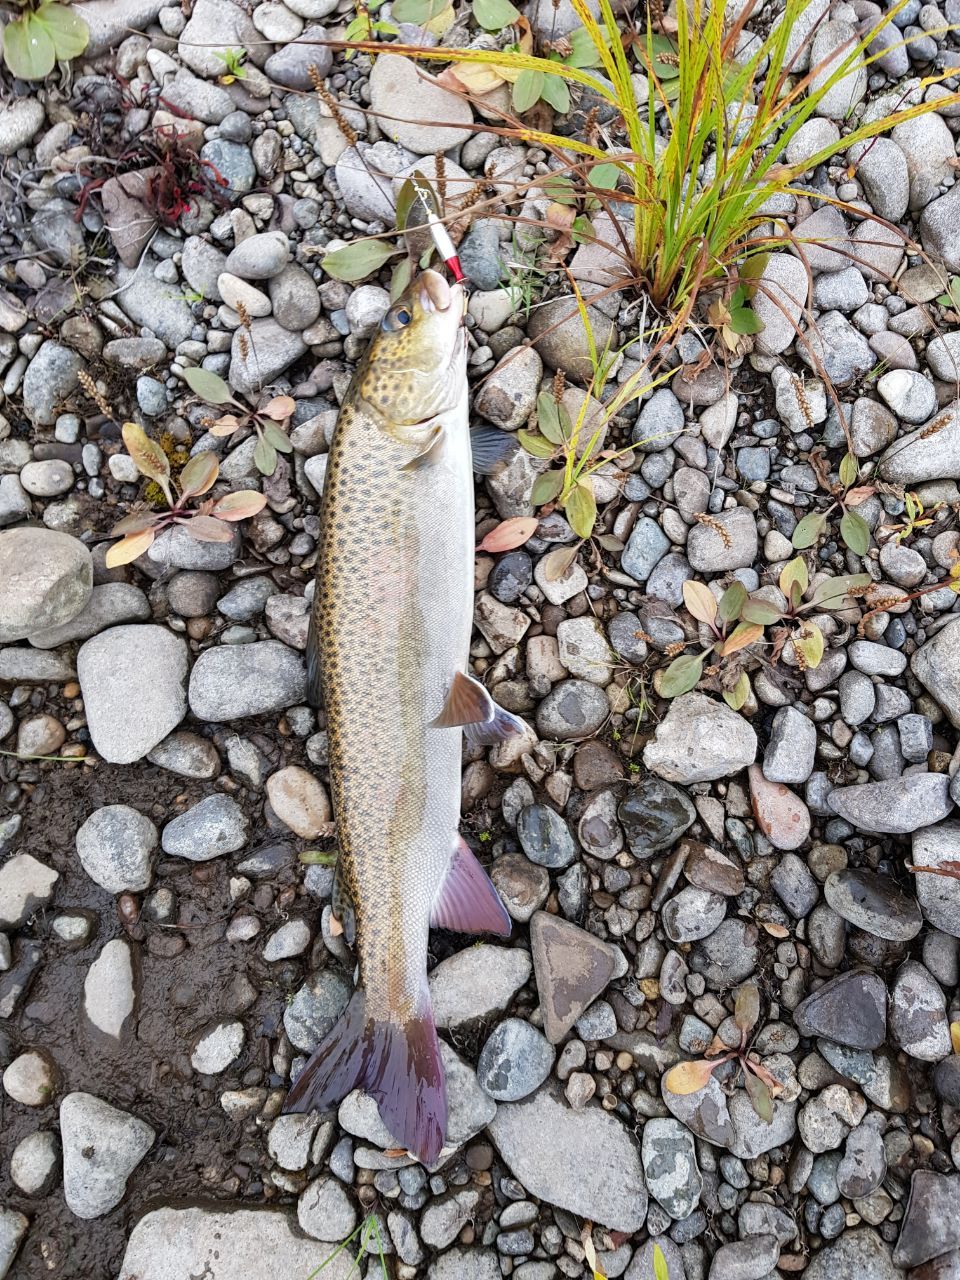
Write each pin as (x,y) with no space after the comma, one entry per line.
(28,48)
(148,457)
(583,229)
(745,320)
(848,470)
(831,592)
(732,601)
(546,487)
(760,1097)
(794,574)
(737,696)
(493,15)
(68,30)
(550,417)
(406,198)
(560,189)
(402,275)
(808,643)
(275,437)
(746,1008)
(199,475)
(526,90)
(660,1269)
(604,176)
(808,531)
(583,52)
(554,90)
(207,385)
(358,260)
(265,457)
(700,601)
(537,445)
(681,676)
(581,509)
(760,611)
(418,12)
(855,532)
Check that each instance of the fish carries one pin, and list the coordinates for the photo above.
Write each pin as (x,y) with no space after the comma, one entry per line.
(388,659)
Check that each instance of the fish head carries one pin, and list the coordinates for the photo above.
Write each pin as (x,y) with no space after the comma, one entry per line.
(415,368)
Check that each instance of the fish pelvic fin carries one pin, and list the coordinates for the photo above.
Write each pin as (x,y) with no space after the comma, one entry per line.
(313,661)
(469,704)
(467,900)
(397,1063)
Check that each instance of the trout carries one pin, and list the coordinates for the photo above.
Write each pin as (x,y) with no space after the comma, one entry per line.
(387,656)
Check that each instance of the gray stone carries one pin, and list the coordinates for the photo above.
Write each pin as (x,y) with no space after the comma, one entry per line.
(47,580)
(660,421)
(214,826)
(572,709)
(670,1167)
(940,229)
(466,1264)
(109,605)
(101,1147)
(315,1008)
(176,549)
(646,547)
(259,257)
(705,1112)
(826,1119)
(590,1166)
(918,1014)
(939,895)
(556,328)
(931,1226)
(790,753)
(753,1137)
(854,1256)
(109,993)
(928,146)
(515,1060)
(51,377)
(259,1244)
(864,1163)
(151,303)
(654,816)
(692,914)
(20,120)
(873,902)
(750,1259)
(132,679)
(710,551)
(33,1166)
(115,846)
(850,1009)
(910,395)
(882,172)
(290,66)
(217,1048)
(545,837)
(325,1211)
(202,265)
(269,347)
(936,665)
(700,740)
(26,884)
(14,1226)
(837,348)
(475,983)
(295,298)
(572,968)
(406,100)
(233,681)
(783,290)
(823,240)
(895,806)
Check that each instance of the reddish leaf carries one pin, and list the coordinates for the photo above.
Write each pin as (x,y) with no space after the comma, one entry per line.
(206,529)
(240,505)
(558,561)
(136,522)
(199,475)
(744,634)
(129,548)
(688,1077)
(759,1095)
(225,426)
(509,534)
(279,408)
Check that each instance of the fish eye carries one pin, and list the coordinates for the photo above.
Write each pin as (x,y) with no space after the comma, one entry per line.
(397,318)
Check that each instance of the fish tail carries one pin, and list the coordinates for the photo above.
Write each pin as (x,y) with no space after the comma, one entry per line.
(397,1063)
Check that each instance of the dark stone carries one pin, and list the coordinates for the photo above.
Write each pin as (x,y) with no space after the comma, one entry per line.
(654,816)
(931,1224)
(510,577)
(850,1009)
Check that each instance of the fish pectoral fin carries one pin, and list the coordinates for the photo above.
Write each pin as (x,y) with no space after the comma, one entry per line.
(470,705)
(467,703)
(491,449)
(467,900)
(342,905)
(429,452)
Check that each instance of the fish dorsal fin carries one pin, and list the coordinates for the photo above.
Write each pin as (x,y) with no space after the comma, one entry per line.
(468,704)
(342,903)
(467,900)
(491,449)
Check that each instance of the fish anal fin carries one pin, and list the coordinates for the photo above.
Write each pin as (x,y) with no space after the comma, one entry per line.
(397,1063)
(491,449)
(342,904)
(467,900)
(467,703)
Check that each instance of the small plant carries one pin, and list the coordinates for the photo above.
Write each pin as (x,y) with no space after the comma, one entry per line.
(732,317)
(917,517)
(951,297)
(233,68)
(362,25)
(738,620)
(368,1240)
(207,523)
(265,421)
(761,1085)
(40,36)
(854,530)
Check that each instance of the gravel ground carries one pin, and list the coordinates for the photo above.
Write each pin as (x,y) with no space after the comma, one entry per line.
(166,954)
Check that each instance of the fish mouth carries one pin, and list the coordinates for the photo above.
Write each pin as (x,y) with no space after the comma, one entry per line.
(438,294)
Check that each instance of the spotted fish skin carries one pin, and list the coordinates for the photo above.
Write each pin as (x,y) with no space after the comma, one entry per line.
(390,631)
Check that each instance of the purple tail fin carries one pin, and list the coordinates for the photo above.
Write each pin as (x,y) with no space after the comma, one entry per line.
(397,1063)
